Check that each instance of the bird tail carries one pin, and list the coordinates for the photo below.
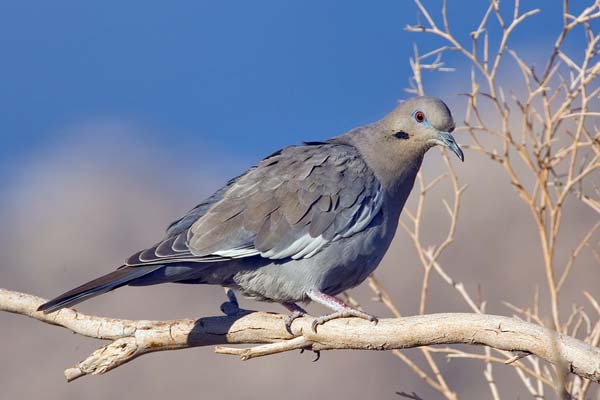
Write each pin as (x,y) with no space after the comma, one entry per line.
(98,286)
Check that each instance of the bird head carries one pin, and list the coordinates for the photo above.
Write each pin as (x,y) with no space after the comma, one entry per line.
(422,122)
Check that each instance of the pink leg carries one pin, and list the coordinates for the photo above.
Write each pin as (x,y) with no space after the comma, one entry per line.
(341,309)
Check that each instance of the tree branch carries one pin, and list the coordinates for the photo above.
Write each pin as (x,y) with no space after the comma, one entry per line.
(131,339)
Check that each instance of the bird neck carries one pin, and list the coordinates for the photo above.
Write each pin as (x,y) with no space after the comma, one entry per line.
(397,175)
(394,162)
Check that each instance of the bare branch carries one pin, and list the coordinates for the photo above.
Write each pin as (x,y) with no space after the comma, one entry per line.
(132,339)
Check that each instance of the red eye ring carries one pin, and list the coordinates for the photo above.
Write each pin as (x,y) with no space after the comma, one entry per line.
(420,117)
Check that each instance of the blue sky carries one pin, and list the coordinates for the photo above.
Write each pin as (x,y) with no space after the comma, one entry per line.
(238,77)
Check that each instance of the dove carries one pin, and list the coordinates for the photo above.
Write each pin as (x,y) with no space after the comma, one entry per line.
(304,224)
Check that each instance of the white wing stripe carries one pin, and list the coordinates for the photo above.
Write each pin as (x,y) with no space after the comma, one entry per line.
(237,253)
(307,246)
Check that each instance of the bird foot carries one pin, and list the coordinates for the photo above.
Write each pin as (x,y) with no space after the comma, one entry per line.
(341,309)
(231,308)
(344,313)
(290,318)
(297,312)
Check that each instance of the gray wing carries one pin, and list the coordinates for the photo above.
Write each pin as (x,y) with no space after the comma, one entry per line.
(185,222)
(292,204)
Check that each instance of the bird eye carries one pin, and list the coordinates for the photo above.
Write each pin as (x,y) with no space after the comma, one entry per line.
(420,117)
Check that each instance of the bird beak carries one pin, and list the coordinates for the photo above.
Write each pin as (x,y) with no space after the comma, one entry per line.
(447,140)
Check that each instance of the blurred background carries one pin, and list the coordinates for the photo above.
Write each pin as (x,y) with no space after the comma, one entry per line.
(118,117)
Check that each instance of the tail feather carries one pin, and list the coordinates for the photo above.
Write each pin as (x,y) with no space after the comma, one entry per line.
(98,286)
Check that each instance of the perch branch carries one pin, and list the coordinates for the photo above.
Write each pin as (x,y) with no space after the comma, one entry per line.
(131,339)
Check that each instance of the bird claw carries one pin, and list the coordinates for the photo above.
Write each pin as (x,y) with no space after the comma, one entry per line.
(291,318)
(296,312)
(345,313)
(317,354)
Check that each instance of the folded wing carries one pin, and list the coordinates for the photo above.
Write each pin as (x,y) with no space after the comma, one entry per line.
(292,204)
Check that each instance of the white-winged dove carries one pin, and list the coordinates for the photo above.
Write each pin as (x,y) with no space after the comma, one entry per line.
(305,223)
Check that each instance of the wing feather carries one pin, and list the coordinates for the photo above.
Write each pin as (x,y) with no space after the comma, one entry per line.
(292,204)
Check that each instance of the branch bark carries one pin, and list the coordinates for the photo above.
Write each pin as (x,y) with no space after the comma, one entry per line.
(131,339)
